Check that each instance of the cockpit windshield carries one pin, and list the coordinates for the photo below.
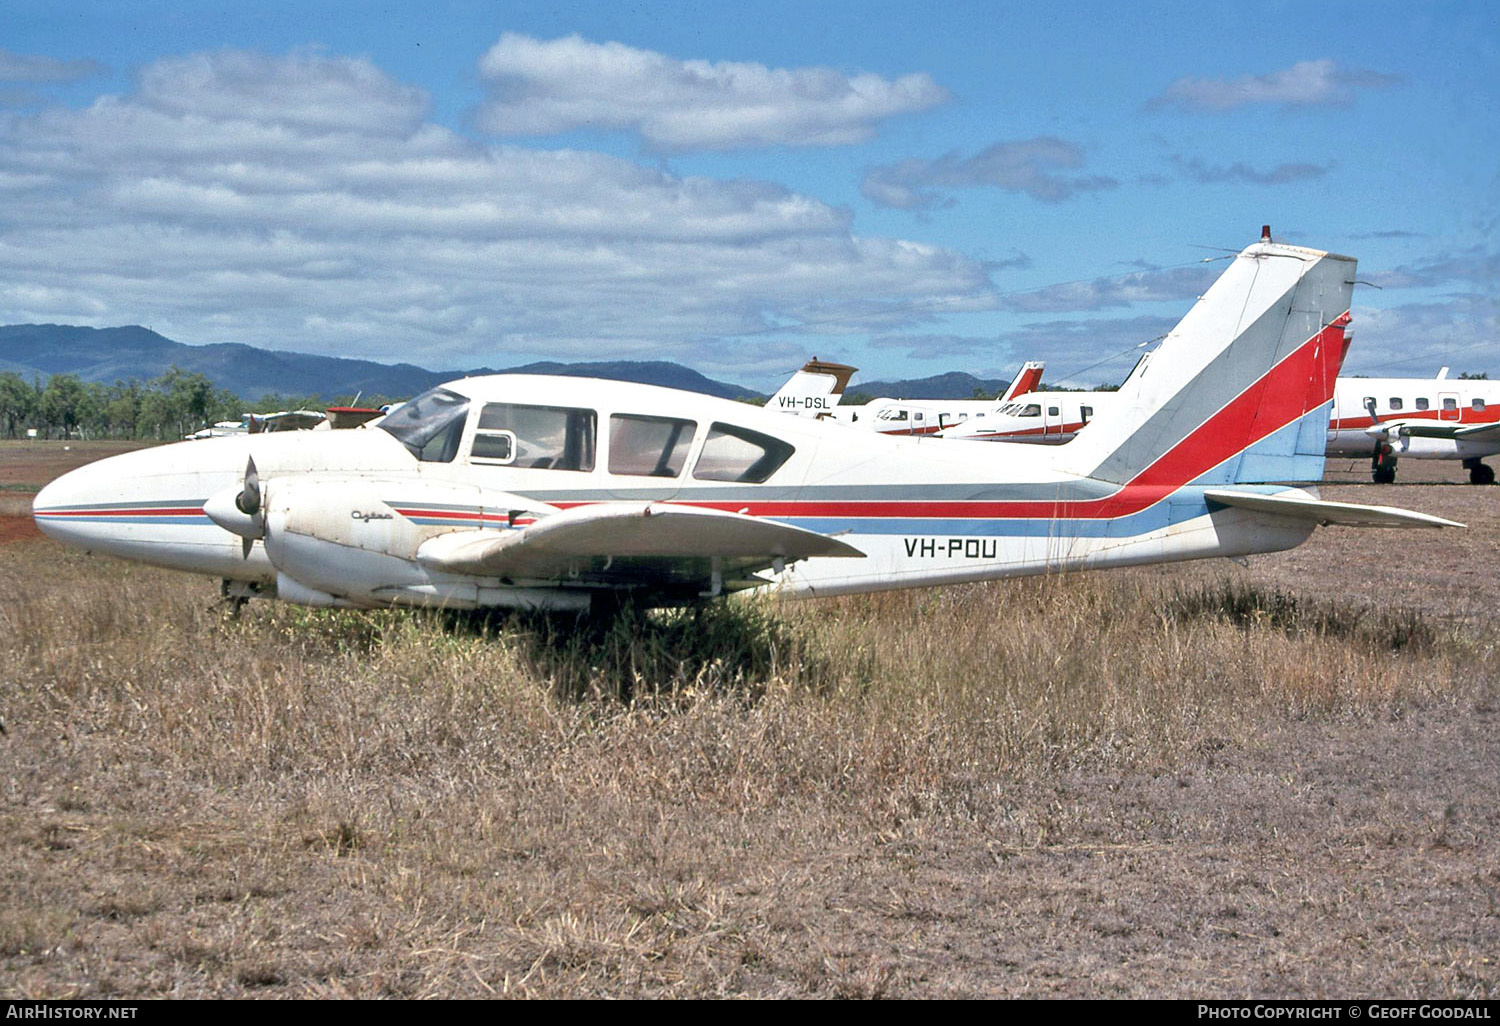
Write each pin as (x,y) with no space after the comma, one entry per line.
(430,425)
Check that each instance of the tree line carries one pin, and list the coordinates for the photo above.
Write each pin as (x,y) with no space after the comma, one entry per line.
(165,408)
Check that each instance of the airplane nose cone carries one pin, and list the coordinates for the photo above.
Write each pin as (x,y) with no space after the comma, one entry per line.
(62,508)
(147,506)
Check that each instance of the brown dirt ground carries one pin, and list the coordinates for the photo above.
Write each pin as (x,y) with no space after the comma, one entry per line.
(25,466)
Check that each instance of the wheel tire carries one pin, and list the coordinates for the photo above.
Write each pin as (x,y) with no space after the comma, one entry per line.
(1482,474)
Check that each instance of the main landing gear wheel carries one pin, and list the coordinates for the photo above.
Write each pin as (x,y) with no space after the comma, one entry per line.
(1383,466)
(1480,473)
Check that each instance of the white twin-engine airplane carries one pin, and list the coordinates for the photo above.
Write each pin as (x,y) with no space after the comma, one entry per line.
(1422,418)
(552,492)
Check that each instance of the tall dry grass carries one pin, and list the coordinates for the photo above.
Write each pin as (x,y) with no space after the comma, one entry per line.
(568,805)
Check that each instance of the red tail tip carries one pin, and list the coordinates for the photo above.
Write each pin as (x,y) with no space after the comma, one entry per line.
(1265,233)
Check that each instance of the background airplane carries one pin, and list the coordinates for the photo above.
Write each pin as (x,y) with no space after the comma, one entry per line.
(813,391)
(1421,418)
(567,493)
(1382,418)
(930,416)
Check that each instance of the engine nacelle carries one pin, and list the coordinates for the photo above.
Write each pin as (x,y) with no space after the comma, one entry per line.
(353,541)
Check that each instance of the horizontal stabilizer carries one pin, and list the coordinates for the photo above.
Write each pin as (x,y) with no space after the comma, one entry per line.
(1305,507)
(627,530)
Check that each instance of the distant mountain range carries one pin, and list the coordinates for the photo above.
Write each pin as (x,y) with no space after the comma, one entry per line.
(107,355)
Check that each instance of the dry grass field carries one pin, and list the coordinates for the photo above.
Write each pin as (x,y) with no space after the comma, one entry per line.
(1193,781)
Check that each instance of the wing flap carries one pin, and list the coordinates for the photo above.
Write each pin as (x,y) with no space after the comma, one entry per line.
(1320,511)
(1478,433)
(684,536)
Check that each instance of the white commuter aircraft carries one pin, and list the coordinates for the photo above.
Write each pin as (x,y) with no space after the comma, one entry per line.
(1382,418)
(562,493)
(930,416)
(1046,418)
(1421,418)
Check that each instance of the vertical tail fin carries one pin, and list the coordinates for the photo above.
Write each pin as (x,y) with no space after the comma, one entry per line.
(1027,380)
(1240,391)
(814,390)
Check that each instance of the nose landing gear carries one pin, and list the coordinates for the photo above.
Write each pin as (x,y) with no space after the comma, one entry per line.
(1383,465)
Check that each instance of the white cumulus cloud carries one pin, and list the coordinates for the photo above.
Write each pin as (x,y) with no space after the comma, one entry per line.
(304,202)
(1305,84)
(542,87)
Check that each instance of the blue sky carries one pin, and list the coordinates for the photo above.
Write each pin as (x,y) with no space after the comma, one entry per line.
(737,187)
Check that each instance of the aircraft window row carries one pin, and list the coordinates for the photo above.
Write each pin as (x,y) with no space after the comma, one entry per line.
(649,446)
(539,437)
(563,438)
(1450,403)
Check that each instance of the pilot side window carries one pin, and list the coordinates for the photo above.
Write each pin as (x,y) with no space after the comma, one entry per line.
(649,446)
(430,425)
(739,454)
(538,437)
(1031,410)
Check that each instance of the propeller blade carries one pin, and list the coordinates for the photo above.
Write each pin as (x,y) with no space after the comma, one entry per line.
(248,501)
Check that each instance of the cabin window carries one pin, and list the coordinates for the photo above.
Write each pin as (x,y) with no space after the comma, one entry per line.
(1423,403)
(1395,402)
(649,446)
(538,437)
(739,454)
(430,425)
(1450,403)
(1052,411)
(1478,405)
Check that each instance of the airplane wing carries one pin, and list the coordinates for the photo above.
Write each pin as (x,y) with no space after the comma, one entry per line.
(1320,511)
(610,542)
(294,420)
(1451,430)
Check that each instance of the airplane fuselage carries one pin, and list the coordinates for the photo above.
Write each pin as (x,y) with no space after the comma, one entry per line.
(350,509)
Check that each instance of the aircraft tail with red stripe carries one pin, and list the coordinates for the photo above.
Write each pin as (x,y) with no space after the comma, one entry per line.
(1275,319)
(1028,379)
